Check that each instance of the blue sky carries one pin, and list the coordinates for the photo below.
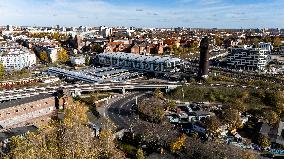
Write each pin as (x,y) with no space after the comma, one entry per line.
(145,13)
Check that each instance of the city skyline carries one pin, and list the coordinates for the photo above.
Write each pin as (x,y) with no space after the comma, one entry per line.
(166,13)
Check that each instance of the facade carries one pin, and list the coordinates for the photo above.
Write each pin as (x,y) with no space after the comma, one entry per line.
(274,133)
(52,53)
(24,110)
(17,60)
(77,60)
(248,58)
(155,64)
(266,46)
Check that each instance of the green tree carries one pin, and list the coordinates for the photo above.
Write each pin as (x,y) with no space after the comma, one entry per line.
(2,70)
(63,56)
(140,154)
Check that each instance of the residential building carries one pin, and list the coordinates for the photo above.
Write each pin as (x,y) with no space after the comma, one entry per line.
(248,58)
(17,59)
(18,131)
(77,60)
(52,53)
(266,46)
(274,133)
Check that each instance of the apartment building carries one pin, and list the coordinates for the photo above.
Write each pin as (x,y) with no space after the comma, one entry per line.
(266,46)
(248,58)
(17,59)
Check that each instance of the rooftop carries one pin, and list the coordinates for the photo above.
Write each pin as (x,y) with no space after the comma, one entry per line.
(13,103)
(17,131)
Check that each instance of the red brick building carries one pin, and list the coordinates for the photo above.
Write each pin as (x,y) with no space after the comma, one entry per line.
(25,110)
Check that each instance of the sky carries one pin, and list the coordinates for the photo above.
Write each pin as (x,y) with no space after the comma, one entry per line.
(144,13)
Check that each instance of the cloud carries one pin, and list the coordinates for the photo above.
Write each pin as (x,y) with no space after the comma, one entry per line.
(159,13)
(139,10)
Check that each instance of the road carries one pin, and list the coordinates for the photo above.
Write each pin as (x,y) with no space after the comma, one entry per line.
(120,111)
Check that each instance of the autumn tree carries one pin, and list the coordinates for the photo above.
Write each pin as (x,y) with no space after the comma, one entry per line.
(96,48)
(261,140)
(140,154)
(218,41)
(212,125)
(2,70)
(88,60)
(158,94)
(232,118)
(43,56)
(171,105)
(63,56)
(255,41)
(271,117)
(179,143)
(276,42)
(152,109)
(66,138)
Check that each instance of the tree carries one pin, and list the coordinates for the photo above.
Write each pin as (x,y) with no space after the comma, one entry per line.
(276,42)
(239,105)
(140,154)
(218,41)
(96,48)
(152,109)
(43,56)
(158,94)
(67,138)
(179,143)
(2,70)
(267,39)
(63,56)
(232,117)
(275,100)
(94,96)
(171,105)
(255,41)
(271,117)
(88,61)
(261,140)
(212,125)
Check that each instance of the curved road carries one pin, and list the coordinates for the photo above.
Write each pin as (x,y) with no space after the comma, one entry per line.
(120,111)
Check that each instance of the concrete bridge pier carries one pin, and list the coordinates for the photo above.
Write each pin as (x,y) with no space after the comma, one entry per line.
(123,90)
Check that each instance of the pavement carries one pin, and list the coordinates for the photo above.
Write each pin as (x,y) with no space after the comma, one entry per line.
(118,110)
